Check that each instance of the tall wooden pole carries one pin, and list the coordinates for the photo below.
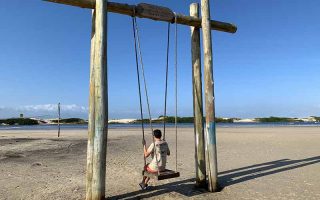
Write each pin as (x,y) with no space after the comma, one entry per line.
(98,117)
(200,160)
(91,113)
(59,119)
(211,148)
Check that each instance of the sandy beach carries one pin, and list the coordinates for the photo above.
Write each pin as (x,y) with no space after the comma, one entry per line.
(254,163)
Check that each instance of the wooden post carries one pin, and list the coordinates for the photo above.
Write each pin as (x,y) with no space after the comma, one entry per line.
(200,160)
(59,119)
(98,117)
(211,149)
(91,113)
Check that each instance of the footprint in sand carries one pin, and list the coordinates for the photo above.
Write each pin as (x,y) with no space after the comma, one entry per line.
(36,164)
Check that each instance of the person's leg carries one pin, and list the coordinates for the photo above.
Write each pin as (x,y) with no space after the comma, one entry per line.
(146,180)
(143,185)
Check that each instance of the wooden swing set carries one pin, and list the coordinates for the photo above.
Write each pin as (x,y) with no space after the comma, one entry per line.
(205,141)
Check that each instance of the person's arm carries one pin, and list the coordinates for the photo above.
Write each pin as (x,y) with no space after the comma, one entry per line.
(146,152)
(168,152)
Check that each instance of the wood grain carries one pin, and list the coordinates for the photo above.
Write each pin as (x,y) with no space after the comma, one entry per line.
(98,117)
(200,160)
(211,149)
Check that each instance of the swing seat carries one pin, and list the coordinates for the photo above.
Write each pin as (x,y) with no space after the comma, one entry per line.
(166,174)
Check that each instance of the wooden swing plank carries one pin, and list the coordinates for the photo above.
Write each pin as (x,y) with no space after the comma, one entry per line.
(167,174)
(149,11)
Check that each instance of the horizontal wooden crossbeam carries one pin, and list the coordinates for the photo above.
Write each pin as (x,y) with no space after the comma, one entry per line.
(149,11)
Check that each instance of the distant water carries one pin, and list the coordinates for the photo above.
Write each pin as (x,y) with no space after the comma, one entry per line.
(158,125)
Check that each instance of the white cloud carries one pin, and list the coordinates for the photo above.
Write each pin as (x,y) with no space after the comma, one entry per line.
(45,107)
(53,107)
(45,111)
(74,107)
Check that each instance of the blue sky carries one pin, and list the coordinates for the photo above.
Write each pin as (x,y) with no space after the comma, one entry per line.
(269,67)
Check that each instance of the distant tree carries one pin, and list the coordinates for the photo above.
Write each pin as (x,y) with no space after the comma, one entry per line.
(276,119)
(19,121)
(70,121)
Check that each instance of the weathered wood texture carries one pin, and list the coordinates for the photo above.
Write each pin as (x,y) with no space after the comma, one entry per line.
(91,113)
(98,117)
(59,117)
(167,174)
(200,160)
(211,150)
(152,12)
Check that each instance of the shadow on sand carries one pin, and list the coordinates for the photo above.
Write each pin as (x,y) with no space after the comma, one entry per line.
(243,174)
(226,178)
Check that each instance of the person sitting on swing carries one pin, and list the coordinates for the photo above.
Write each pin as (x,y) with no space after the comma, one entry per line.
(159,160)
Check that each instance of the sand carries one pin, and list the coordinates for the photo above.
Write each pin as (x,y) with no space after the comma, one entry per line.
(254,163)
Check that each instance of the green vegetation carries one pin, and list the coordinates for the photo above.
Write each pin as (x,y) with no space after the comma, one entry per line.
(277,119)
(224,120)
(316,118)
(70,121)
(168,119)
(19,121)
(114,123)
(138,121)
(171,119)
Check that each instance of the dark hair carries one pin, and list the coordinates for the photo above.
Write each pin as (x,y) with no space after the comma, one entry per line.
(157,133)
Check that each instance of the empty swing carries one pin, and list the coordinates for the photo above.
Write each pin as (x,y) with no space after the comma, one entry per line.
(165,174)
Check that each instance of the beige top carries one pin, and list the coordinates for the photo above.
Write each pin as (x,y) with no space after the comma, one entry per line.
(160,160)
